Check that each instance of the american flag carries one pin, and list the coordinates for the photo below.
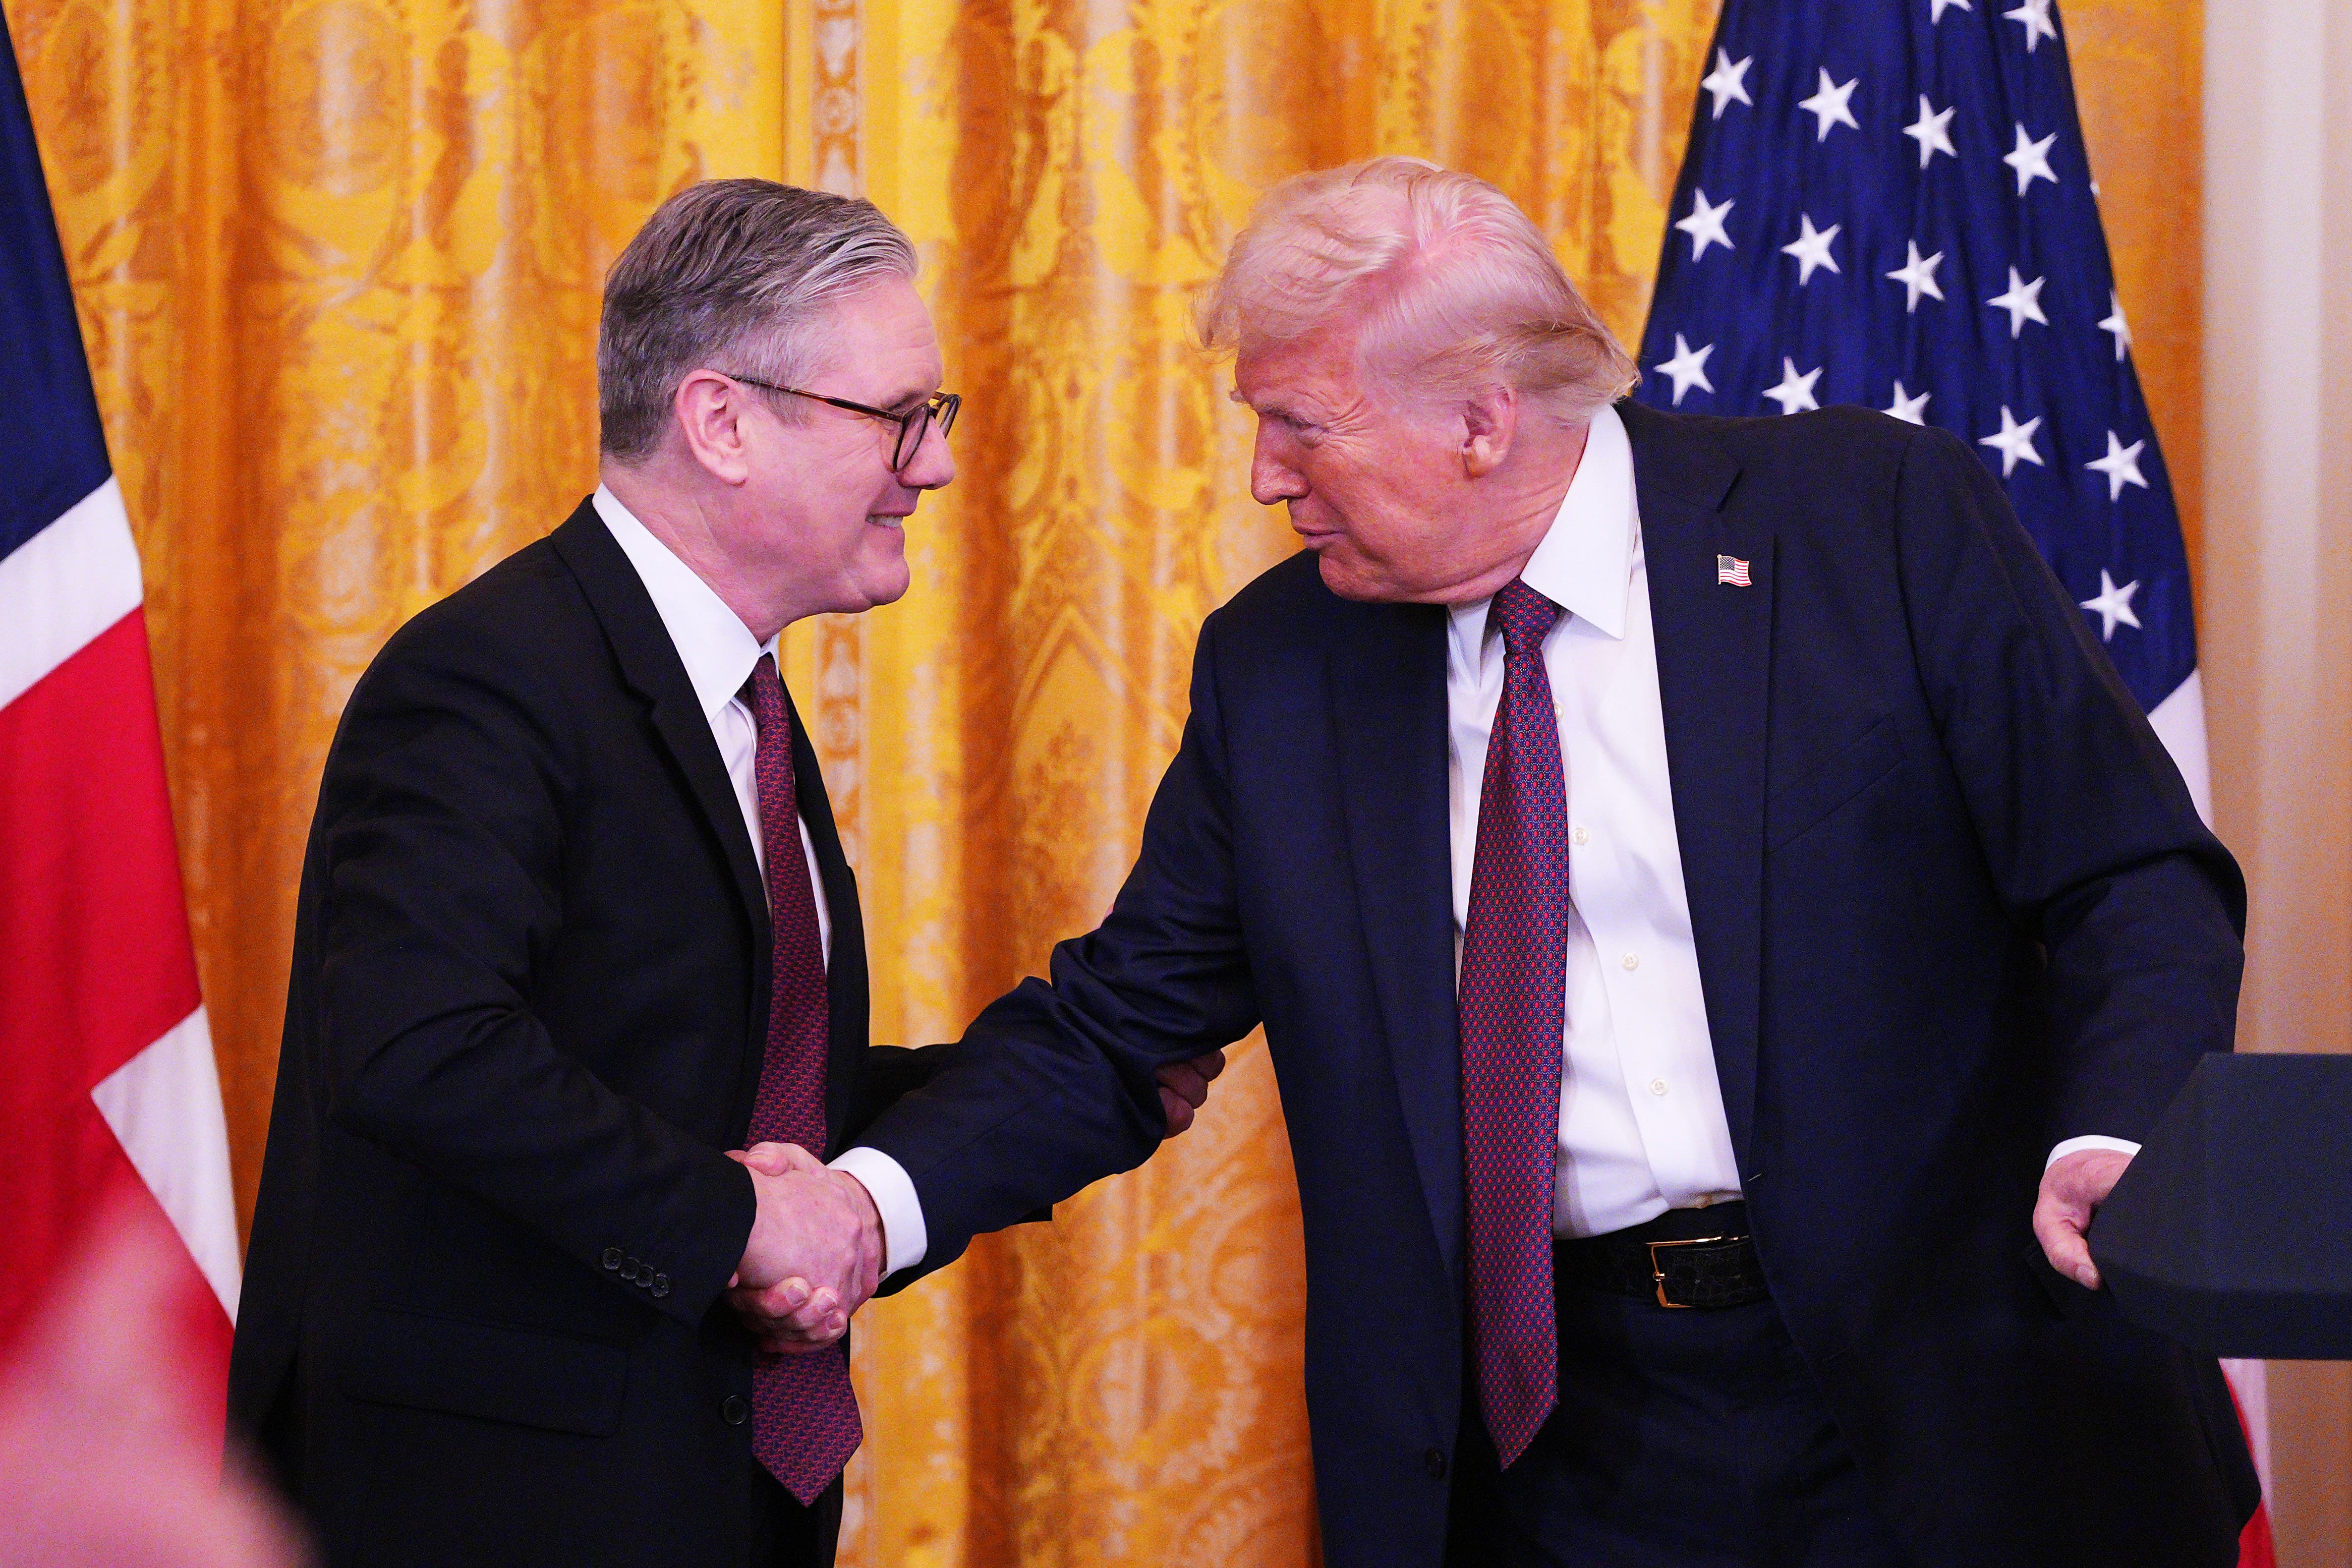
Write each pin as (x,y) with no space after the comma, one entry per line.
(1730,569)
(1887,203)
(108,1096)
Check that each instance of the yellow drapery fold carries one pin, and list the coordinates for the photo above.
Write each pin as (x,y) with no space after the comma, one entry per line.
(338,262)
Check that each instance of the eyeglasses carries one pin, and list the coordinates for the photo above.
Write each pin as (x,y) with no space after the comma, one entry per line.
(913,425)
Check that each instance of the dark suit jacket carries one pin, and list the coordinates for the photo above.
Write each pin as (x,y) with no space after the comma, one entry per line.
(1952,905)
(529,995)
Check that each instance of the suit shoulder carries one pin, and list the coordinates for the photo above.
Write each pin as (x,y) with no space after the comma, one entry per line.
(1277,595)
(1285,613)
(519,639)
(1839,436)
(1839,462)
(513,615)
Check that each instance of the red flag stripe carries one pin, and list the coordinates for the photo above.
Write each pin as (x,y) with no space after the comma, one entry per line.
(95,962)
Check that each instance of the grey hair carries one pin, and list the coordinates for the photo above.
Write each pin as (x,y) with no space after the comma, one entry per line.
(1457,286)
(736,275)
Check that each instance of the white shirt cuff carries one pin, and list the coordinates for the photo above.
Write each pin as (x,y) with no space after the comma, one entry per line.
(2070,1146)
(886,1181)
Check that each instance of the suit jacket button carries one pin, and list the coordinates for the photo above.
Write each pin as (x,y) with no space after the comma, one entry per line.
(661,1284)
(735,1412)
(629,1267)
(612,1258)
(1434,1462)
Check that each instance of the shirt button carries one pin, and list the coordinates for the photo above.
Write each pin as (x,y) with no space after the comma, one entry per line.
(1580,836)
(1657,1086)
(1631,960)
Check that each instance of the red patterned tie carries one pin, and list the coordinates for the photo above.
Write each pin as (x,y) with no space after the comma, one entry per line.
(804,1421)
(1513,993)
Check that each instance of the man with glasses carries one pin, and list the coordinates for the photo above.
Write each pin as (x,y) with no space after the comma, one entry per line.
(547,1267)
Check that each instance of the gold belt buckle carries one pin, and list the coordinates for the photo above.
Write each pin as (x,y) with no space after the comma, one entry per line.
(1659,1274)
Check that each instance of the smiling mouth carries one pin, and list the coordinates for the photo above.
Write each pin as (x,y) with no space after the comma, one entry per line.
(887,519)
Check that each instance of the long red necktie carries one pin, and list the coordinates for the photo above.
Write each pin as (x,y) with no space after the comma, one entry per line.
(804,1421)
(1512,996)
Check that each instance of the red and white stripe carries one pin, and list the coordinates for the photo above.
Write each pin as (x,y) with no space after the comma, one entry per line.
(108,1090)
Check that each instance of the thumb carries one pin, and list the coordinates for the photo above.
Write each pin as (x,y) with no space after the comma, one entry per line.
(777,1159)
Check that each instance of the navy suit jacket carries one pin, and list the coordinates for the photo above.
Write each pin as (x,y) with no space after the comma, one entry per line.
(1952,905)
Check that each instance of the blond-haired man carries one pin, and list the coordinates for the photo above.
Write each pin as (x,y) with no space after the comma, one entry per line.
(1711,907)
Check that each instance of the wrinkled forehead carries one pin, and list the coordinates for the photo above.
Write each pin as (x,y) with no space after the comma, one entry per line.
(882,338)
(1321,363)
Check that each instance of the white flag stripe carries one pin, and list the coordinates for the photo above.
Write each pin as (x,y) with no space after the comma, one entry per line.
(164,1105)
(2179,723)
(64,586)
(2250,1381)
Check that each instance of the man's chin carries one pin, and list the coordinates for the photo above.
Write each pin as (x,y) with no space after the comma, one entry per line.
(886,584)
(883,575)
(1345,575)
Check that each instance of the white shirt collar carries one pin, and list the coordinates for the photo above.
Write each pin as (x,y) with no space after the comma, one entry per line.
(1585,563)
(717,649)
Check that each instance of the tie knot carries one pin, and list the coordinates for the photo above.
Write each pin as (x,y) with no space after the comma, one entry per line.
(763,692)
(1523,616)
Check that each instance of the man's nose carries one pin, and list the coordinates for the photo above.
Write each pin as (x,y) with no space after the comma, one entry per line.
(1272,479)
(932,467)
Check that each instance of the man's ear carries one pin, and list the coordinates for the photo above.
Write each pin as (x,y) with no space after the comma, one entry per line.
(1490,419)
(710,410)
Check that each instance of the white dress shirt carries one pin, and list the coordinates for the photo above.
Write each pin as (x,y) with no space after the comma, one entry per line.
(720,654)
(1642,1124)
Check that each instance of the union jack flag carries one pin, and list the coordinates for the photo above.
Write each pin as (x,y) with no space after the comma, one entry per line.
(108,1095)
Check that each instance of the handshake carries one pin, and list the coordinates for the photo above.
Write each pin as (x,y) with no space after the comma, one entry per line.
(816,1251)
(816,1247)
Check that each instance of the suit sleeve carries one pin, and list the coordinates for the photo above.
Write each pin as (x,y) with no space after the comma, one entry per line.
(2089,832)
(442,846)
(1052,1088)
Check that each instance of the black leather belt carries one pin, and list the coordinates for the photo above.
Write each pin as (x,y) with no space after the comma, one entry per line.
(1685,1257)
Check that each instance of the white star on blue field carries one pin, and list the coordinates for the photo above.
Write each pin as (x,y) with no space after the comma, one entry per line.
(1887,203)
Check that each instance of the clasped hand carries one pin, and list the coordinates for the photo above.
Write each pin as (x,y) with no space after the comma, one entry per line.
(815,1252)
(816,1247)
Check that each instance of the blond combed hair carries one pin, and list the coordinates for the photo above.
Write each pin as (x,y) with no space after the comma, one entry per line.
(1454,286)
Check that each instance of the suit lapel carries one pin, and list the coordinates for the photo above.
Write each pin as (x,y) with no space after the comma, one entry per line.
(650,664)
(1714,654)
(1389,710)
(846,1002)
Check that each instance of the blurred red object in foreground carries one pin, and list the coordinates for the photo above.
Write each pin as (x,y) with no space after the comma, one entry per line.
(109,1422)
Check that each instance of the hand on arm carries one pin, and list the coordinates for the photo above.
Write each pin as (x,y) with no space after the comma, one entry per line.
(2071,1190)
(814,1254)
(1184,1088)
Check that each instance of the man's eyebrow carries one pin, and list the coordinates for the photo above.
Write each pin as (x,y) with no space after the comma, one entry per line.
(905,399)
(1269,407)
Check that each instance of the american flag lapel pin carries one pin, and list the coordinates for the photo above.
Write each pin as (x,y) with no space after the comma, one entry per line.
(1730,569)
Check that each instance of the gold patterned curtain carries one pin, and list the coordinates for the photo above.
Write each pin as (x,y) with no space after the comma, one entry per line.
(338,264)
